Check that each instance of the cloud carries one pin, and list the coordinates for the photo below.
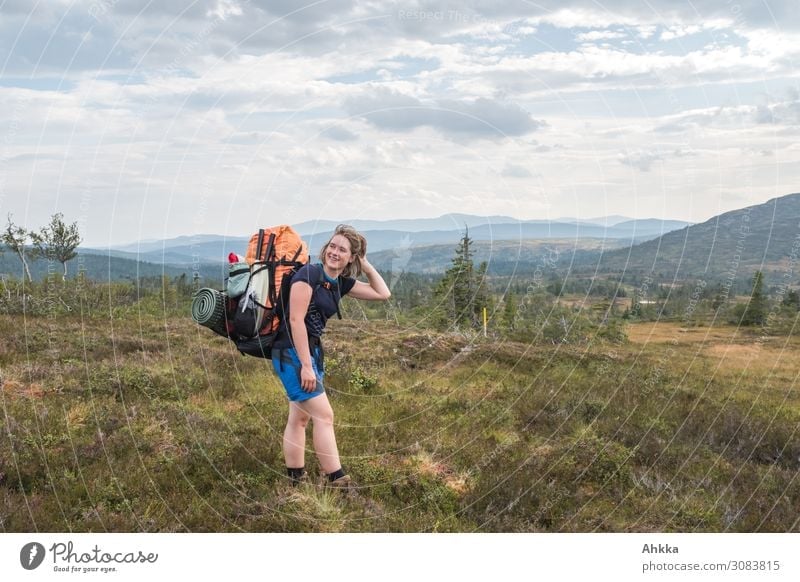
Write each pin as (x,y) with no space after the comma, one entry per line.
(733,118)
(641,160)
(645,31)
(782,113)
(338,133)
(644,159)
(37,157)
(154,102)
(481,117)
(783,14)
(246,138)
(477,42)
(129,33)
(600,35)
(693,119)
(679,31)
(515,171)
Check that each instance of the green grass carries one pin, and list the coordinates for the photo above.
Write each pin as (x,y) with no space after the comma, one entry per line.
(149,423)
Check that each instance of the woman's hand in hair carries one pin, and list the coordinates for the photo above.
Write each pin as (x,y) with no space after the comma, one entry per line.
(366,266)
(375,290)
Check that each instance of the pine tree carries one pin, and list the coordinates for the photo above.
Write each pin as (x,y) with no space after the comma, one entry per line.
(792,299)
(483,298)
(463,282)
(455,293)
(509,312)
(636,307)
(756,311)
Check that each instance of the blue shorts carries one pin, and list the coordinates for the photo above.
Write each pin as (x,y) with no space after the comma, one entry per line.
(287,366)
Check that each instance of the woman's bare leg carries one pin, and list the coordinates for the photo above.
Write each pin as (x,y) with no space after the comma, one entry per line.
(321,413)
(294,436)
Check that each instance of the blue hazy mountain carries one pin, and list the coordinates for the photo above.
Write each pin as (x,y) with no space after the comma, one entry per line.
(185,251)
(733,244)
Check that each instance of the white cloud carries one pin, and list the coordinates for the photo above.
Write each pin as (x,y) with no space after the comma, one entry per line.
(476,118)
(781,113)
(516,171)
(146,106)
(225,9)
(729,119)
(679,31)
(645,31)
(338,133)
(641,160)
(587,17)
(595,35)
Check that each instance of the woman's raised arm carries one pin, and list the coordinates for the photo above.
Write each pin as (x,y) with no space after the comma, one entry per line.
(375,290)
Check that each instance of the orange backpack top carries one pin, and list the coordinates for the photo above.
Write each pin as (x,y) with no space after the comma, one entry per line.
(286,245)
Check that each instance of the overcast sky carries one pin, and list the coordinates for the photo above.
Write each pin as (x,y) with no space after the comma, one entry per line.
(155,119)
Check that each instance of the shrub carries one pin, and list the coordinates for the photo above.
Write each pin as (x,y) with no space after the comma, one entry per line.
(362,381)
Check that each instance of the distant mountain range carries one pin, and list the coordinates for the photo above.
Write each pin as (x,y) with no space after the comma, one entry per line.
(503,257)
(734,244)
(729,246)
(447,222)
(398,235)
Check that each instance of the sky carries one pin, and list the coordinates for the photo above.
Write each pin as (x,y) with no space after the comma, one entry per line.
(148,120)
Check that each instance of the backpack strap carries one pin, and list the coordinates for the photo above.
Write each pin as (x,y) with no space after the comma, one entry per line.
(260,242)
(294,258)
(339,292)
(320,282)
(269,259)
(323,283)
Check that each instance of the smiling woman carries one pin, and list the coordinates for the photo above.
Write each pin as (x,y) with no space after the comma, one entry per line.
(297,354)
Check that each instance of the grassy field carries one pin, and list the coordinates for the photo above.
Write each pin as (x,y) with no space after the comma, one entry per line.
(133,422)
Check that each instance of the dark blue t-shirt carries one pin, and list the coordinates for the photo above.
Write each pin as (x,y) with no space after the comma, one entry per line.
(325,298)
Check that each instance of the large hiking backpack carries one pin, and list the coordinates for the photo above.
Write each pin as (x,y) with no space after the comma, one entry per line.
(250,314)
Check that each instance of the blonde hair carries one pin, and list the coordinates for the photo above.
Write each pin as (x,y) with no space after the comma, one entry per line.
(358,247)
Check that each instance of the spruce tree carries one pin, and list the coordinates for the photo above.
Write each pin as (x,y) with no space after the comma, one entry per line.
(483,298)
(756,311)
(463,282)
(455,293)
(792,299)
(509,312)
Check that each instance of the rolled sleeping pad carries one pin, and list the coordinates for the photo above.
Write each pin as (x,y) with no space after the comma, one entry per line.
(208,309)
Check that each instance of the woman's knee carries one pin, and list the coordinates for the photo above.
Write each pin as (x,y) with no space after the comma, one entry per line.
(298,417)
(323,414)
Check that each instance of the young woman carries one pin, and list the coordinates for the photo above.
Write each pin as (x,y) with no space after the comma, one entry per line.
(297,353)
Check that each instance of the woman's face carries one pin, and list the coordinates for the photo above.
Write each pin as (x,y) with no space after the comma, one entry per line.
(337,253)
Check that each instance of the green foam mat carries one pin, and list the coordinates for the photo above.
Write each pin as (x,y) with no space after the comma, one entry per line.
(208,309)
